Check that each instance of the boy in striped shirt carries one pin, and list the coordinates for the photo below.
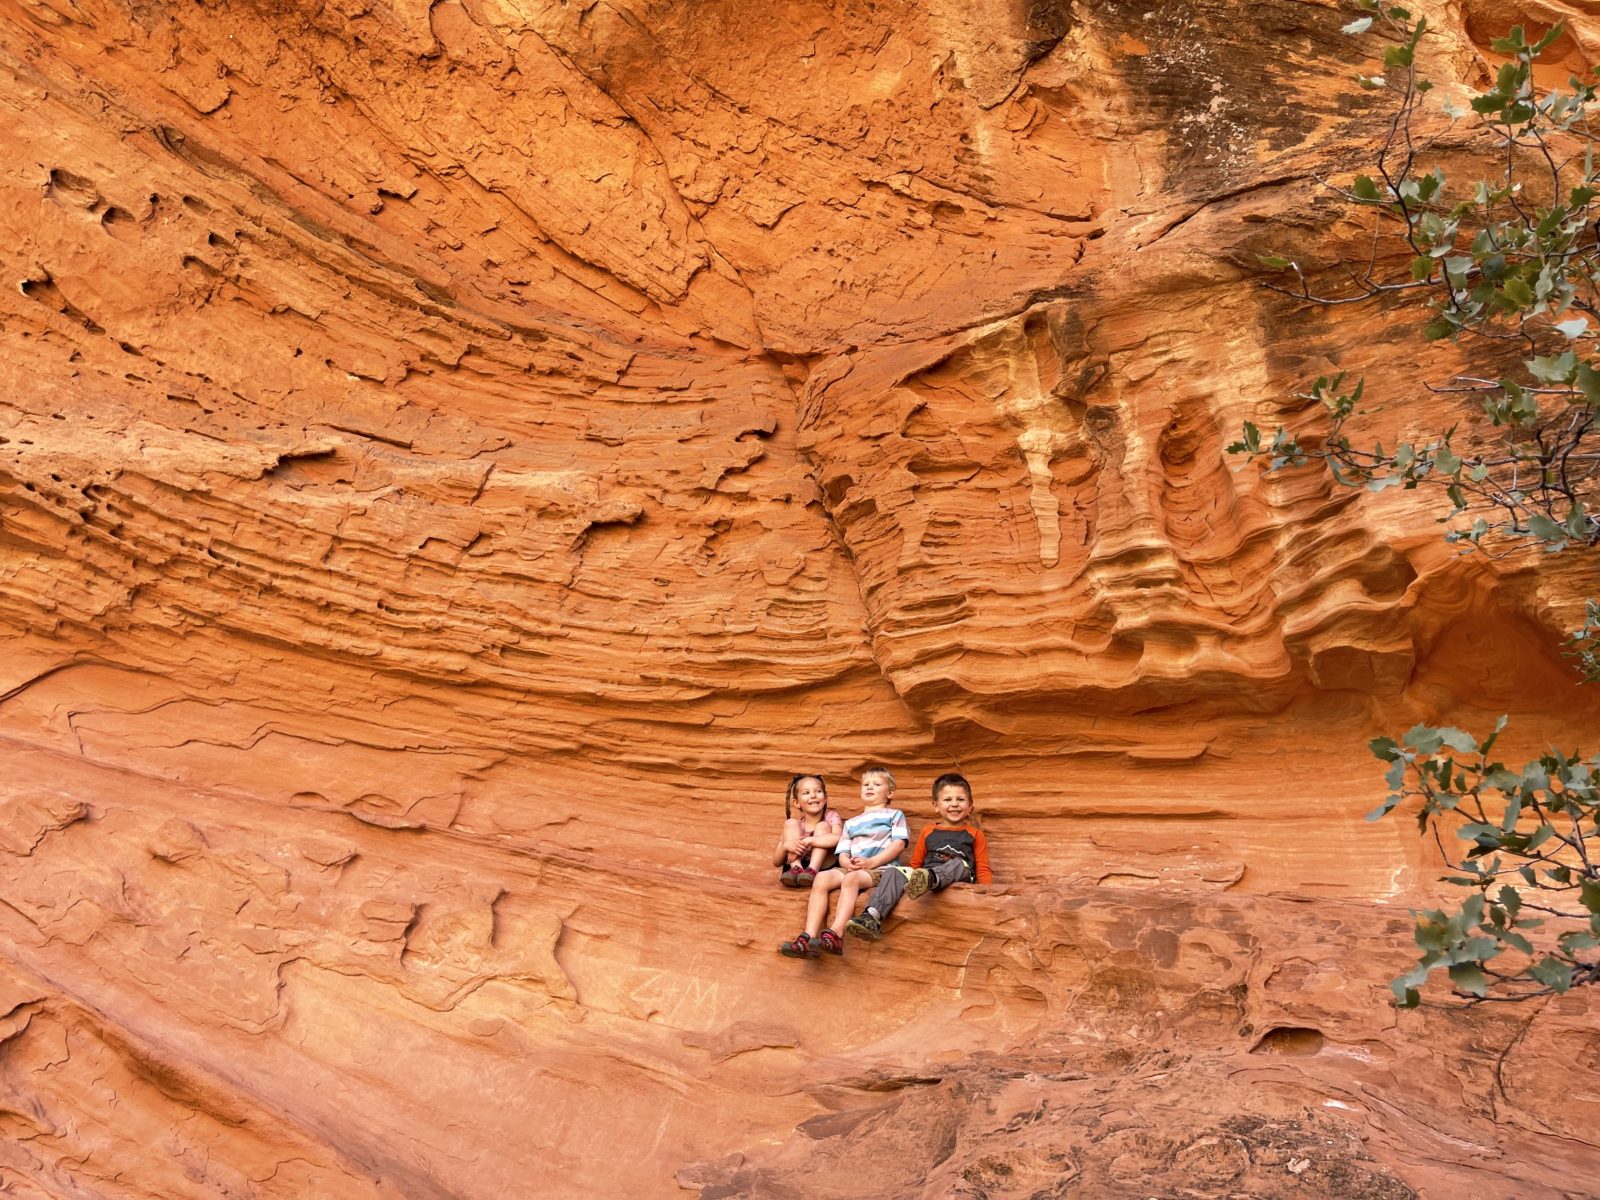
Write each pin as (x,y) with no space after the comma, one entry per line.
(953,849)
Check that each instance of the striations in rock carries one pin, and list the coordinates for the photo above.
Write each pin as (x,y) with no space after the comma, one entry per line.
(457,459)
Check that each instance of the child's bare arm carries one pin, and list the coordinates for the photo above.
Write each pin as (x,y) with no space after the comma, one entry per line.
(826,836)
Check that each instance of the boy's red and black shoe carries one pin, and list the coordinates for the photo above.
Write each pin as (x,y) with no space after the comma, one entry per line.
(829,941)
(802,945)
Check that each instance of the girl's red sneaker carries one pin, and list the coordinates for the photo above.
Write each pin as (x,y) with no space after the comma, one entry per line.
(802,946)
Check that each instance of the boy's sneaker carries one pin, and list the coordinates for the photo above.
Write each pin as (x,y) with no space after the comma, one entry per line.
(829,941)
(867,927)
(917,882)
(801,946)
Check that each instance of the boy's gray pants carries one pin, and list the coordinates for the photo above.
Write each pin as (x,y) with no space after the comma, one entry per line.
(892,883)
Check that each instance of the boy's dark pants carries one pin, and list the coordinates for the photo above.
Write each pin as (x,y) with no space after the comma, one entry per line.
(892,883)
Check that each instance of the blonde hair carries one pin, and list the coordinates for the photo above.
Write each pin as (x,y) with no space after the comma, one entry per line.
(882,773)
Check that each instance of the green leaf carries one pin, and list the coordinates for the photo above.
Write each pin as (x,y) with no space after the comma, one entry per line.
(1548,40)
(1383,810)
(1577,522)
(1397,56)
(1558,368)
(1276,261)
(1424,739)
(1512,43)
(1469,977)
(1588,381)
(1553,973)
(1538,838)
(1513,813)
(1518,291)
(1589,895)
(1544,528)
(1364,188)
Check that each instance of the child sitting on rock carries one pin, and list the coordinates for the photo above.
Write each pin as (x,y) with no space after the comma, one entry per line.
(809,834)
(871,841)
(953,848)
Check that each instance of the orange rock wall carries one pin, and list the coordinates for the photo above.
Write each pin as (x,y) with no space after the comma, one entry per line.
(458,459)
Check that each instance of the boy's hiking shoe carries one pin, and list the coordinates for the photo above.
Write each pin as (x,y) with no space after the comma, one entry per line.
(802,946)
(917,882)
(866,927)
(829,941)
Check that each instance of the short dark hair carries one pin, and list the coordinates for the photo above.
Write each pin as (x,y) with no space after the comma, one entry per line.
(952,779)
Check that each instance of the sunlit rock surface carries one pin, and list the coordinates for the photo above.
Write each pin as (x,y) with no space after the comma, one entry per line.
(457,460)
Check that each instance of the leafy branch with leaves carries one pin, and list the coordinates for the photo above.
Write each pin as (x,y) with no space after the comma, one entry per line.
(1532,856)
(1508,268)
(1511,262)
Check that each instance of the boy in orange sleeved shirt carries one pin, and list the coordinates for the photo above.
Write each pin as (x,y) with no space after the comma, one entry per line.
(953,850)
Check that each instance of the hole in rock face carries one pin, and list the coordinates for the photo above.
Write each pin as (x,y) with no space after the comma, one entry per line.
(1291,1040)
(1486,20)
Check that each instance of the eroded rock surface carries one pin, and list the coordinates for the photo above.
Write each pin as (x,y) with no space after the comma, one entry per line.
(458,459)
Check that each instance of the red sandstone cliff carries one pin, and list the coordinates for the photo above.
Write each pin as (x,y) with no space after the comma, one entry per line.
(457,459)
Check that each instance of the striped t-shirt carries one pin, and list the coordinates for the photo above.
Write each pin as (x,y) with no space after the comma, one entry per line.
(870,832)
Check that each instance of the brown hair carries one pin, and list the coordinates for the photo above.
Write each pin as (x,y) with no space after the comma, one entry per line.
(952,779)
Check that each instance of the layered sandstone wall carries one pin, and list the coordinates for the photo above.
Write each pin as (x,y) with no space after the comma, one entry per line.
(458,459)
